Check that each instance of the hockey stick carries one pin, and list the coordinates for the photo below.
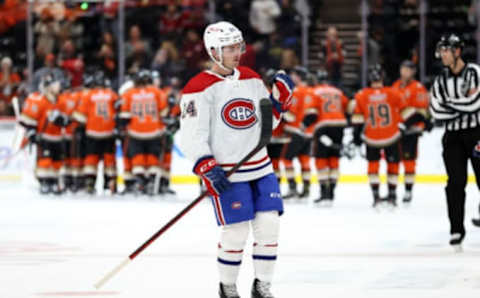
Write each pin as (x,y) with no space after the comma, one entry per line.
(265,135)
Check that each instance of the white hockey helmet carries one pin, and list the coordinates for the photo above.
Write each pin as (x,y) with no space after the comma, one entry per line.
(219,35)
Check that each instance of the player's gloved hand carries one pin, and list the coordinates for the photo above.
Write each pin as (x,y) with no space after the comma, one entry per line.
(31,135)
(429,125)
(282,89)
(212,175)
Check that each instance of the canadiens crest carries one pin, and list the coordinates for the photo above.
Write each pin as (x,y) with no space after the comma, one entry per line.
(239,113)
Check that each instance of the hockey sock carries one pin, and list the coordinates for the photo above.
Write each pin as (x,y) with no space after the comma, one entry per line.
(375,190)
(230,251)
(265,232)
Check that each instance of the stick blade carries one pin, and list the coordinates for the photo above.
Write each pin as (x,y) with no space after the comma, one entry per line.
(267,121)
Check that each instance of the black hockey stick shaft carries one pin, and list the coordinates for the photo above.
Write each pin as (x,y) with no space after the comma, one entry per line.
(265,135)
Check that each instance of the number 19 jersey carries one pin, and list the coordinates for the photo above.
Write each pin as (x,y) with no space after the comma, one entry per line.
(381,110)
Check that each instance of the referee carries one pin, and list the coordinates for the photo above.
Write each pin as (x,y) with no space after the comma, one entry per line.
(455,101)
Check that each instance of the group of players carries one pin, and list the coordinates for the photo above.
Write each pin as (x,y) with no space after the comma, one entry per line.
(387,119)
(76,128)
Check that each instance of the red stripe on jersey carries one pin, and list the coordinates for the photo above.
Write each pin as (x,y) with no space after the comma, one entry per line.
(251,163)
(200,82)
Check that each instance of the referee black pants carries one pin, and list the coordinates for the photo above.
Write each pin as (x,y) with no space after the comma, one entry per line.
(458,148)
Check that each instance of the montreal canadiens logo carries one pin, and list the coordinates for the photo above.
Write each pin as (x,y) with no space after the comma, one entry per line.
(239,113)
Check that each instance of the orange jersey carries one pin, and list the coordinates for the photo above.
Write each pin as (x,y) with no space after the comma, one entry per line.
(143,106)
(35,113)
(302,96)
(67,103)
(330,105)
(381,110)
(415,96)
(97,112)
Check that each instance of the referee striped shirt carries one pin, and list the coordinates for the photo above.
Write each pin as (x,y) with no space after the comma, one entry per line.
(455,98)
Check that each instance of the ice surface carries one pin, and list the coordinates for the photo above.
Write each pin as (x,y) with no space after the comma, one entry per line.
(59,247)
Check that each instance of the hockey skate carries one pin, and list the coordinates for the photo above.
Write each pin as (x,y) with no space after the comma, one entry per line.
(325,199)
(476,221)
(306,190)
(228,291)
(165,187)
(456,241)
(391,200)
(261,289)
(407,197)
(45,187)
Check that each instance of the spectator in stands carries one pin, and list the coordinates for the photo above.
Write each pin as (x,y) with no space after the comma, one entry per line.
(194,54)
(289,60)
(262,17)
(138,51)
(333,54)
(106,55)
(235,12)
(171,23)
(9,81)
(167,61)
(289,23)
(71,29)
(47,29)
(71,62)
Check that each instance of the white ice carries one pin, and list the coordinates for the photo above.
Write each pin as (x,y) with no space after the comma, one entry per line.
(60,246)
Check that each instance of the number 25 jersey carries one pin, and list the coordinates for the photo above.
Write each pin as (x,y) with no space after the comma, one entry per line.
(381,110)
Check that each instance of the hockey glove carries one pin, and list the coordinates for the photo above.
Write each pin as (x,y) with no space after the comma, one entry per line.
(282,89)
(212,175)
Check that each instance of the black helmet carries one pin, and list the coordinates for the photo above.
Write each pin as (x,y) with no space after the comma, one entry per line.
(375,73)
(99,78)
(450,41)
(88,80)
(322,75)
(409,64)
(143,77)
(46,81)
(301,71)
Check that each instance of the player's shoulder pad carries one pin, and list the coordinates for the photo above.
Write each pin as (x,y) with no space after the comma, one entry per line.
(247,73)
(200,82)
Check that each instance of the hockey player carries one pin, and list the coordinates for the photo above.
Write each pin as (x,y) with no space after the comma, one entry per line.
(142,108)
(172,123)
(215,105)
(299,145)
(279,137)
(327,112)
(378,111)
(67,103)
(416,97)
(128,177)
(43,121)
(97,114)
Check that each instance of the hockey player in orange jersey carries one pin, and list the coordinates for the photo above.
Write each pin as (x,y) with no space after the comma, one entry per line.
(416,97)
(327,114)
(299,145)
(67,103)
(96,113)
(378,112)
(172,124)
(43,121)
(141,110)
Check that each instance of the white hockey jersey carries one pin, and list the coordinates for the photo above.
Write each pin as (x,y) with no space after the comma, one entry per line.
(221,117)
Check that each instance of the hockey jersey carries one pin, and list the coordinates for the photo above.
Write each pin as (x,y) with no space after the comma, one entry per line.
(381,110)
(220,117)
(302,96)
(415,96)
(144,106)
(97,112)
(35,113)
(330,105)
(67,103)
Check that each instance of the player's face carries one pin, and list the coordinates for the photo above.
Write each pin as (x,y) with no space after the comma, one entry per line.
(406,73)
(447,56)
(232,54)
